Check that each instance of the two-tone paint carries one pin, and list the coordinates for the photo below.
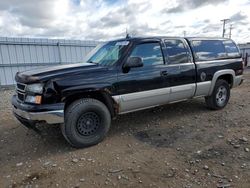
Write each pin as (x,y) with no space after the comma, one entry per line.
(134,89)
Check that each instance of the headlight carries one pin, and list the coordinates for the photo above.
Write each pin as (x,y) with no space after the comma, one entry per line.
(33,99)
(35,88)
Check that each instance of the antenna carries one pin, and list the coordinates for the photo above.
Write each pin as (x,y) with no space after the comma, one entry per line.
(127,34)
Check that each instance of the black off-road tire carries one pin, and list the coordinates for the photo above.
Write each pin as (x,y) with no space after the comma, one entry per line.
(220,95)
(87,122)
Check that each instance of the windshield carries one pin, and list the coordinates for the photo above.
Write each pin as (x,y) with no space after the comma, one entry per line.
(107,54)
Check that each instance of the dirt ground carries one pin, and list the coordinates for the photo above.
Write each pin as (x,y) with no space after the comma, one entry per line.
(178,145)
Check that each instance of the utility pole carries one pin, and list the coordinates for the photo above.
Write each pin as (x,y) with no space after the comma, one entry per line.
(224,25)
(230,30)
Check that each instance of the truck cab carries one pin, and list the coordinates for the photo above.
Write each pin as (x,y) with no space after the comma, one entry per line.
(123,76)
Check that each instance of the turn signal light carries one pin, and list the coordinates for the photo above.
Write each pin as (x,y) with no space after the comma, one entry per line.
(33,99)
(38,99)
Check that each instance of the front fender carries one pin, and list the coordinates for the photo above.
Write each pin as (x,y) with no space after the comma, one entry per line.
(102,92)
(87,88)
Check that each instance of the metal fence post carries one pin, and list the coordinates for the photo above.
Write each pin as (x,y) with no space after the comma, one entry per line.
(59,53)
(246,60)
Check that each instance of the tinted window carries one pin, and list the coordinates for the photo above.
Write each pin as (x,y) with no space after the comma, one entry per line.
(231,49)
(149,52)
(107,54)
(176,52)
(208,49)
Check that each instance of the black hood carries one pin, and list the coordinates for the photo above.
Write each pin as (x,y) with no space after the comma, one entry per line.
(44,74)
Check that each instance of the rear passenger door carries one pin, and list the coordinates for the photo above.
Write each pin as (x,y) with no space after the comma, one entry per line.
(179,69)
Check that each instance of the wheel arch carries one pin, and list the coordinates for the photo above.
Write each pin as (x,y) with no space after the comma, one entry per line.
(101,95)
(227,74)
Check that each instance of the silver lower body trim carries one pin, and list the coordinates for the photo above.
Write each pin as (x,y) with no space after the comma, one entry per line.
(238,80)
(182,92)
(51,117)
(147,99)
(141,100)
(203,88)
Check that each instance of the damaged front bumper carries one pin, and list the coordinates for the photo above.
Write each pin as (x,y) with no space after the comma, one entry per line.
(49,113)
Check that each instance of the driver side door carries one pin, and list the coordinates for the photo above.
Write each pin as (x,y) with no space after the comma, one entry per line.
(142,87)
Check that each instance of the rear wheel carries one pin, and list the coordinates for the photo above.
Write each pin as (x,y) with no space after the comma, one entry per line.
(220,95)
(87,122)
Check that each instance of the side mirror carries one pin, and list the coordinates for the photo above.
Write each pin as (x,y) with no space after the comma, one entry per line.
(133,62)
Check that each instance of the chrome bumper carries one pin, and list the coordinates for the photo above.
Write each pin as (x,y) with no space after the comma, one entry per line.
(51,117)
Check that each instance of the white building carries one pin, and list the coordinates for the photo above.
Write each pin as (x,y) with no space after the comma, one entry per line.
(245,50)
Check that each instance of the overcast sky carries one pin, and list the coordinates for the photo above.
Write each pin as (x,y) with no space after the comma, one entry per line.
(108,19)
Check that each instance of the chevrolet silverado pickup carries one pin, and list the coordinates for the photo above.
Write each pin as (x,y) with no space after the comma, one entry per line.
(123,76)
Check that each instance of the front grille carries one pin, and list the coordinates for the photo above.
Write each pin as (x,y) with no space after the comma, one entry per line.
(20,96)
(20,90)
(21,87)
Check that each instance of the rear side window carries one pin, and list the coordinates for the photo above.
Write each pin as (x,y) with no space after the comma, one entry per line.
(176,52)
(231,49)
(149,52)
(208,49)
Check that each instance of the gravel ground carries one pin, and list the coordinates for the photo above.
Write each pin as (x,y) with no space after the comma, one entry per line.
(177,145)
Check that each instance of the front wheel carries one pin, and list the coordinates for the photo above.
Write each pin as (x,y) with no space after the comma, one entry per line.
(220,95)
(87,122)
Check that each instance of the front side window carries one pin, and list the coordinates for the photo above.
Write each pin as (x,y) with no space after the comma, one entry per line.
(231,49)
(149,52)
(208,49)
(176,52)
(107,54)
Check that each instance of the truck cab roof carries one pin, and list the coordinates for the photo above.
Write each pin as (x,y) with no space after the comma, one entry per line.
(135,39)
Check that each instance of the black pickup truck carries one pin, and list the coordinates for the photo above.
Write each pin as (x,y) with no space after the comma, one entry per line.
(123,76)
